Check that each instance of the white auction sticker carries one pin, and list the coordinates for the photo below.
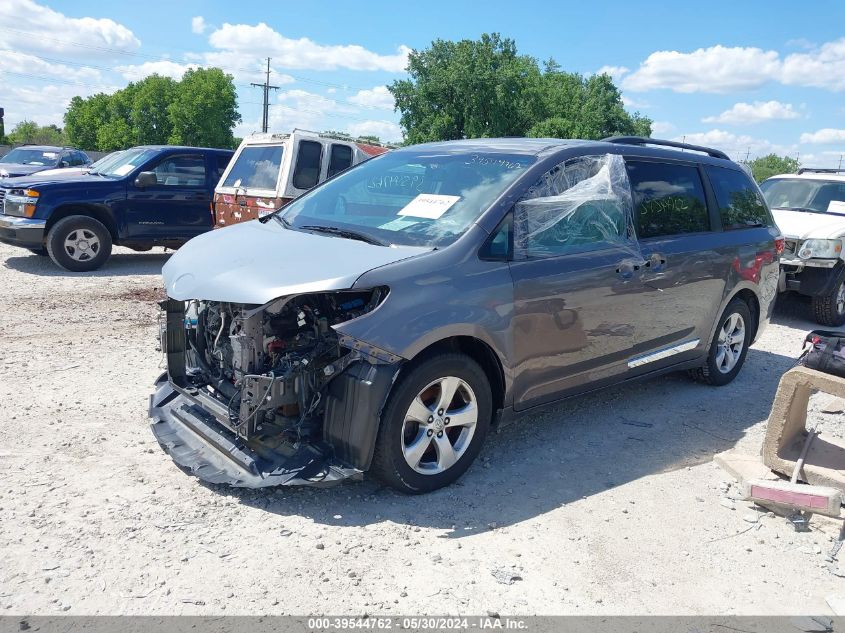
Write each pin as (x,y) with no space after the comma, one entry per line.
(429,205)
(123,170)
(836,206)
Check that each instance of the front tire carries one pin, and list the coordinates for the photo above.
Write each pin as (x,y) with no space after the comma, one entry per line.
(79,243)
(729,346)
(830,309)
(434,424)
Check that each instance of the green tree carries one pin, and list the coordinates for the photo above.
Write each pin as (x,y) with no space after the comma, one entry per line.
(478,88)
(201,109)
(767,166)
(148,112)
(204,110)
(84,118)
(31,132)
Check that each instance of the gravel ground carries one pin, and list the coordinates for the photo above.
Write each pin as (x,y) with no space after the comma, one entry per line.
(608,504)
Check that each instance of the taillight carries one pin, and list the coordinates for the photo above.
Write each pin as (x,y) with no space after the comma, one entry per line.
(780,244)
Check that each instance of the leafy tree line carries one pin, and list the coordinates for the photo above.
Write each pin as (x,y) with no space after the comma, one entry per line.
(198,110)
(484,88)
(32,133)
(772,165)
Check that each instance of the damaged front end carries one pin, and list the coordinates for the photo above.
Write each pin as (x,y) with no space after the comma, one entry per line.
(271,395)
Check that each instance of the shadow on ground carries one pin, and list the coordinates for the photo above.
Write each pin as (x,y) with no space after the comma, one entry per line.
(584,446)
(120,264)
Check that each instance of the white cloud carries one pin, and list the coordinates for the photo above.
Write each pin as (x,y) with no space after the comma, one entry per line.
(198,25)
(634,104)
(247,67)
(662,127)
(737,146)
(261,40)
(13,61)
(722,69)
(824,136)
(615,72)
(821,68)
(746,113)
(714,69)
(378,97)
(386,130)
(33,27)
(163,67)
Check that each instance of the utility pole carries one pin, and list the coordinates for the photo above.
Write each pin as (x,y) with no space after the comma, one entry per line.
(747,153)
(265,121)
(840,161)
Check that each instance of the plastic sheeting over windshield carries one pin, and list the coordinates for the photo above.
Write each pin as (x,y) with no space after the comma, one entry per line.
(581,204)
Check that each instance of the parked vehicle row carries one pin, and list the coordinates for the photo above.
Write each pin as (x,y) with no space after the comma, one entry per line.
(809,208)
(31,159)
(388,318)
(142,197)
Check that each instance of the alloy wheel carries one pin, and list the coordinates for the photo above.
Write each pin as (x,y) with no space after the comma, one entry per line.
(439,425)
(82,245)
(730,343)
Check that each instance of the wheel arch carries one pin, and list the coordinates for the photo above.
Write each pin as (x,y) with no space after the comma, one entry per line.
(97,212)
(481,352)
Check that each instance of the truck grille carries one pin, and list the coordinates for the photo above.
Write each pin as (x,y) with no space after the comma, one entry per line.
(2,197)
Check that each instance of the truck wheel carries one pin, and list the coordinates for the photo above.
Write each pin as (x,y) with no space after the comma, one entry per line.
(829,309)
(434,424)
(79,243)
(728,347)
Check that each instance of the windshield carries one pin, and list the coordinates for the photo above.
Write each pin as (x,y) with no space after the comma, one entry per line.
(126,162)
(803,194)
(257,167)
(105,161)
(410,198)
(40,157)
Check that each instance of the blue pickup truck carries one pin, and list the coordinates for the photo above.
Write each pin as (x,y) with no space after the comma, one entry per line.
(142,197)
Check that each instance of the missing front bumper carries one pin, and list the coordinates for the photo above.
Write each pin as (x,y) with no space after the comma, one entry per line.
(198,443)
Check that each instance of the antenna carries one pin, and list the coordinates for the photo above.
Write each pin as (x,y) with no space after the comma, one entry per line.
(265,120)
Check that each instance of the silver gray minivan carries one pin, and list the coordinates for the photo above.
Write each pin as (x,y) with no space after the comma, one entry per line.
(387,319)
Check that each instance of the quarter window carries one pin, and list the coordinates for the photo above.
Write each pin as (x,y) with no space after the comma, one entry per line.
(306,174)
(740,204)
(340,159)
(181,171)
(668,199)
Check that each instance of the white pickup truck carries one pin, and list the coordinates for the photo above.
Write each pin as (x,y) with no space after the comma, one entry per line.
(809,208)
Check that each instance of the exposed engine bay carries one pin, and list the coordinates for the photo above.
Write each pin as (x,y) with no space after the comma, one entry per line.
(263,374)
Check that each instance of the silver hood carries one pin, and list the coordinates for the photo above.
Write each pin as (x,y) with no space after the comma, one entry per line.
(254,262)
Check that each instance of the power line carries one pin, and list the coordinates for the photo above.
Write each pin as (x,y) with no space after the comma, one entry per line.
(267,88)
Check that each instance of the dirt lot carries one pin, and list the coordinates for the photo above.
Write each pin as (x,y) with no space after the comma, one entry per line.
(609,504)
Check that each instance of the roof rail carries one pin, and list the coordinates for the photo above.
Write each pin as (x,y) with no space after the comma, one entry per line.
(820,170)
(341,136)
(643,140)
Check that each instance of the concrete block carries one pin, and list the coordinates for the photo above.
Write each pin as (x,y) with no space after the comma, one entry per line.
(787,430)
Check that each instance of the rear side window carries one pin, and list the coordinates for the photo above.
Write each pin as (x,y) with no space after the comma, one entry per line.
(668,199)
(340,159)
(257,167)
(306,174)
(740,204)
(219,162)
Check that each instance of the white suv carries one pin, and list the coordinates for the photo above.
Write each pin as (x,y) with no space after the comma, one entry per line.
(809,208)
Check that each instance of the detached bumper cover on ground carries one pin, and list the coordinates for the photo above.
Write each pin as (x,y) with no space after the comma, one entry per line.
(199,444)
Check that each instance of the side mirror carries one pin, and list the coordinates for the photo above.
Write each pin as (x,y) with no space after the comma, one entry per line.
(146,179)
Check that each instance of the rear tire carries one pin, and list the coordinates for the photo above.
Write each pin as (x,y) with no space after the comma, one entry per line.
(830,308)
(79,243)
(729,346)
(427,439)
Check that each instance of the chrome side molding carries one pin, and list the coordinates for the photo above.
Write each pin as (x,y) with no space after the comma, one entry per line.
(660,354)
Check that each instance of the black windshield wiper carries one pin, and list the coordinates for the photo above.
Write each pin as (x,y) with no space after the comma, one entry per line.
(347,233)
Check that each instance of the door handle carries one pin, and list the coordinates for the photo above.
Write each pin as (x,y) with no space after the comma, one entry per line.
(627,268)
(656,262)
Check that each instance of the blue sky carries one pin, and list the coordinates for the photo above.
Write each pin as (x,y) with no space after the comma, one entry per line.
(748,77)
